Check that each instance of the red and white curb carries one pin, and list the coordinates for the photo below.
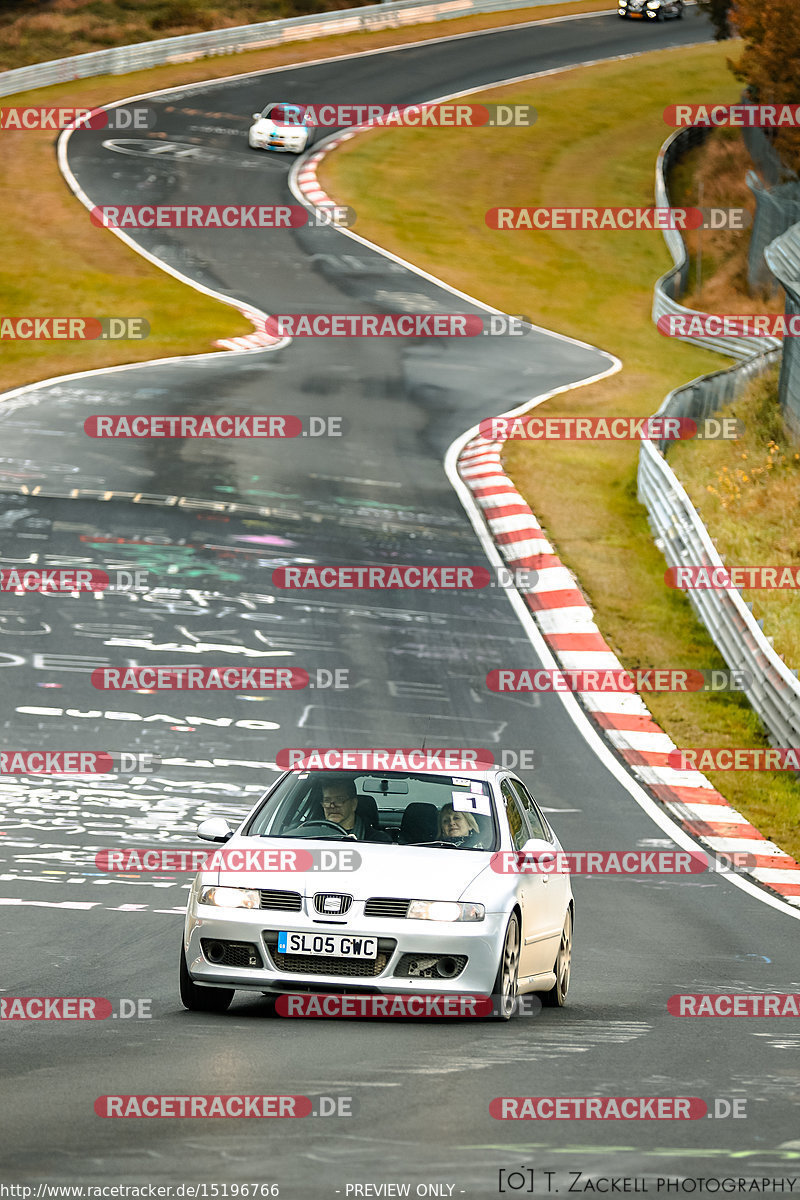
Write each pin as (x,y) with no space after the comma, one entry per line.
(306,178)
(260,340)
(566,622)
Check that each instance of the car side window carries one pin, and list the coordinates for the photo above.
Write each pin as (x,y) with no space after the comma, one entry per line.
(516,821)
(536,821)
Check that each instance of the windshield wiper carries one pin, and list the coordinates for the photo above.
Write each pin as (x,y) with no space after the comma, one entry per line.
(445,845)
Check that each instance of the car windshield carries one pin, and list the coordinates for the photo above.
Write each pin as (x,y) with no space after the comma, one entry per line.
(284,114)
(398,807)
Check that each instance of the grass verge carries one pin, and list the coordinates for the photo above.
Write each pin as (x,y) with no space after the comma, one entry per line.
(423,194)
(85,25)
(54,262)
(748,494)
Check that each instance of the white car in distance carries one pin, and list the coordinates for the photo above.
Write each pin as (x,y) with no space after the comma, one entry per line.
(280,126)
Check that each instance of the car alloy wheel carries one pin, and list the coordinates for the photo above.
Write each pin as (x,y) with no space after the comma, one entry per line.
(562,967)
(505,987)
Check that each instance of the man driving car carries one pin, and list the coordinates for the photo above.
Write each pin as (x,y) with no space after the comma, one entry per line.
(340,803)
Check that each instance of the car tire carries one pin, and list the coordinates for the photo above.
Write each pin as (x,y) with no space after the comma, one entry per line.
(562,968)
(201,999)
(504,992)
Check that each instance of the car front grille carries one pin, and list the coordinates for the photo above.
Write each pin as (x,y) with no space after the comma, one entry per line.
(386,906)
(299,964)
(282,901)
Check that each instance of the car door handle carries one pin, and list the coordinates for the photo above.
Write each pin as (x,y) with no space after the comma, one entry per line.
(545,879)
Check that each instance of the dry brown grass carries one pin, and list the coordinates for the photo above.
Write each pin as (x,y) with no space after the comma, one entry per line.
(80,26)
(713,175)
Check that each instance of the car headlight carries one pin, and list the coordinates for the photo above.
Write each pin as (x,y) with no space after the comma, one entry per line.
(653,3)
(228,897)
(445,910)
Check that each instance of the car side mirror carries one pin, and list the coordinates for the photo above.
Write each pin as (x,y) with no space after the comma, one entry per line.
(215,829)
(256,116)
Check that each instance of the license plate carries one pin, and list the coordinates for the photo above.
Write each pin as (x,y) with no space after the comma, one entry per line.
(635,14)
(328,945)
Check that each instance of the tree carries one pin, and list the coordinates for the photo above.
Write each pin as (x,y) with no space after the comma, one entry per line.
(770,62)
(719,14)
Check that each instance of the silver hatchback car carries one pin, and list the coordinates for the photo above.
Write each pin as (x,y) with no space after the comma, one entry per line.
(381,881)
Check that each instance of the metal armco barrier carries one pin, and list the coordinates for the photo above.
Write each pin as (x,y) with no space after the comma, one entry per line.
(678,530)
(777,209)
(672,284)
(119,60)
(783,259)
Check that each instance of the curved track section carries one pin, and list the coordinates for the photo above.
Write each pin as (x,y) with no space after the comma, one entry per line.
(210,521)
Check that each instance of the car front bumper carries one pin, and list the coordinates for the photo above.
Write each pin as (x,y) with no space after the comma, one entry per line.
(479,942)
(295,146)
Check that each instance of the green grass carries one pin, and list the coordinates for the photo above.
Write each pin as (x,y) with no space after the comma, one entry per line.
(748,494)
(424,193)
